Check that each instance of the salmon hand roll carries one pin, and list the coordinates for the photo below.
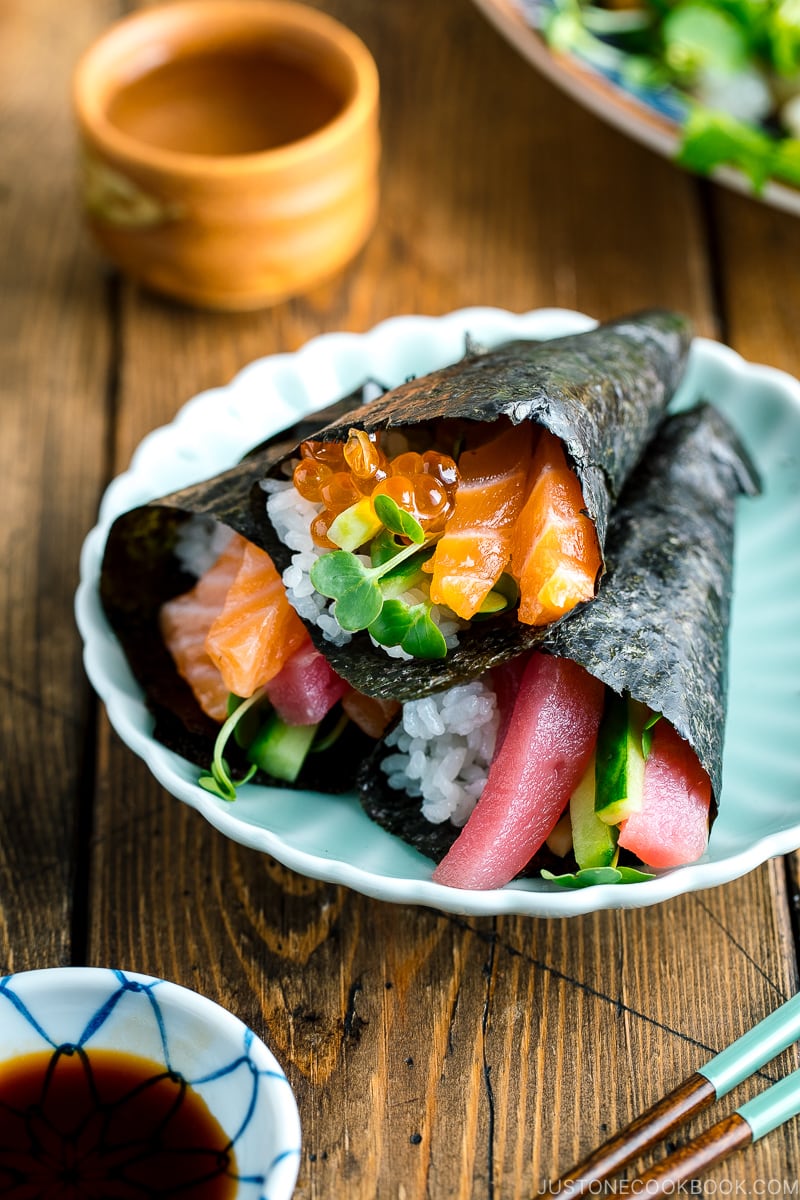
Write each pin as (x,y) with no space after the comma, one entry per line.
(446,526)
(230,674)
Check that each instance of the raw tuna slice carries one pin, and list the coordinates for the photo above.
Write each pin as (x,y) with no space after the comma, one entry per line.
(672,826)
(506,678)
(544,754)
(306,688)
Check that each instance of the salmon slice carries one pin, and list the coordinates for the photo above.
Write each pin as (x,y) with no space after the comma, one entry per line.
(555,555)
(475,548)
(185,622)
(257,630)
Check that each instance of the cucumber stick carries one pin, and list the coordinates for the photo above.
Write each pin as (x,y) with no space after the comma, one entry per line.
(594,843)
(280,749)
(619,769)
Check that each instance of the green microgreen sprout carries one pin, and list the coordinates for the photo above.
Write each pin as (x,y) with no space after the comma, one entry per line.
(324,741)
(219,780)
(361,593)
(411,627)
(592,876)
(397,520)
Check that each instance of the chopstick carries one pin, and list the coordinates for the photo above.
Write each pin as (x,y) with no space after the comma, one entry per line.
(710,1082)
(747,1124)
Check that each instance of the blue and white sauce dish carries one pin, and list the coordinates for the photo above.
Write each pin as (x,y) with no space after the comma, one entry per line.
(68,1036)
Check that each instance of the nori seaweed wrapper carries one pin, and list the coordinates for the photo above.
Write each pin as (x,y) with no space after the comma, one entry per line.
(659,627)
(658,630)
(140,571)
(602,393)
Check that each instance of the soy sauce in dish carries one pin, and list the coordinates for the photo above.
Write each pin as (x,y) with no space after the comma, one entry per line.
(86,1126)
(237,101)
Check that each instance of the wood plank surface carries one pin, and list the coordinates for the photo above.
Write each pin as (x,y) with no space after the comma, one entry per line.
(433,1056)
(55,362)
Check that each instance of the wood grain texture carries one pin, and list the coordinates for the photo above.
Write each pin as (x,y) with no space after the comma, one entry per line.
(433,1057)
(55,358)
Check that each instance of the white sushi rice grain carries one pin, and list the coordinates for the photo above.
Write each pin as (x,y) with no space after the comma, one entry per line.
(200,542)
(291,515)
(443,750)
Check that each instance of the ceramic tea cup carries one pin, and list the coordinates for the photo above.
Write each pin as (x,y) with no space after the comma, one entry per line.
(111,1074)
(229,148)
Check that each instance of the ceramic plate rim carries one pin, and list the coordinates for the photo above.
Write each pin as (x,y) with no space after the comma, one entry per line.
(615,105)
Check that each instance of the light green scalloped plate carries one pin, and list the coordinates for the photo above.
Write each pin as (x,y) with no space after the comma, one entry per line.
(329,837)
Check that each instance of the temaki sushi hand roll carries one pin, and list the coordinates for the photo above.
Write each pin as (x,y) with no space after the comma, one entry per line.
(443,528)
(600,751)
(228,669)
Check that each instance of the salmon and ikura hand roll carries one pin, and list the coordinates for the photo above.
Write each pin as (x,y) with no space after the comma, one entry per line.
(446,526)
(599,752)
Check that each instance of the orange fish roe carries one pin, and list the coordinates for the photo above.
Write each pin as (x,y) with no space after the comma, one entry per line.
(338,476)
(476,546)
(555,555)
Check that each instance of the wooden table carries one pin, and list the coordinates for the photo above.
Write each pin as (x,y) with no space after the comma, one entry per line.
(432,1056)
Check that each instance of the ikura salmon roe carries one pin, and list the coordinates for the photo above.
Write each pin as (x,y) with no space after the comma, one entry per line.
(424,496)
(338,492)
(363,455)
(319,529)
(309,475)
(400,489)
(331,453)
(409,463)
(442,466)
(339,475)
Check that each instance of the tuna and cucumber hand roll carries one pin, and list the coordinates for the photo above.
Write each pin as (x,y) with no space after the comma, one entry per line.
(445,527)
(600,751)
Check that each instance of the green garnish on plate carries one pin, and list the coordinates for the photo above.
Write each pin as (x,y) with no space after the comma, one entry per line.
(727,72)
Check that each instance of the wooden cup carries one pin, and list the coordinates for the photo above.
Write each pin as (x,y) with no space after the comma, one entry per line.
(229,148)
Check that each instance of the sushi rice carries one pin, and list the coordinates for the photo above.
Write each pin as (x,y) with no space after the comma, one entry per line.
(200,542)
(444,745)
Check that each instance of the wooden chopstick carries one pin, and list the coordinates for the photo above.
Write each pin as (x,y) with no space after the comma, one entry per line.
(693,1095)
(710,1082)
(691,1160)
(747,1124)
